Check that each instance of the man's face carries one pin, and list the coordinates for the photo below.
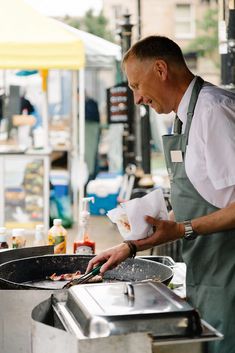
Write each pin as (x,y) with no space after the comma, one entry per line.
(146,83)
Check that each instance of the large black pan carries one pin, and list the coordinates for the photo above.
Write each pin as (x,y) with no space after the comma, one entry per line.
(32,272)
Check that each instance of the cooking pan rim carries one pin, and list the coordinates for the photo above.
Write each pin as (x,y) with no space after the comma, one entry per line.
(138,258)
(167,278)
(44,256)
(23,284)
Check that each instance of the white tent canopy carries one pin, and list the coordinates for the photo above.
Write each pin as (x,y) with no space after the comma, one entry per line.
(29,40)
(99,52)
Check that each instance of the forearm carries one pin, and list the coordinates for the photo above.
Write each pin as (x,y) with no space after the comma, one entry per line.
(168,231)
(223,219)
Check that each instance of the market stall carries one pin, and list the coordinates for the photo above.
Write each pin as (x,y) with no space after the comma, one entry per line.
(31,41)
(118,309)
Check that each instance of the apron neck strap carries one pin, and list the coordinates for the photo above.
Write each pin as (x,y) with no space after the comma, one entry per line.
(192,104)
(177,129)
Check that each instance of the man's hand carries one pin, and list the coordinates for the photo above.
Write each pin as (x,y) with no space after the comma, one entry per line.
(163,232)
(113,257)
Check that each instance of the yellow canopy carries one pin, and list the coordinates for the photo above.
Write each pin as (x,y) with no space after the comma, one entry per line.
(29,40)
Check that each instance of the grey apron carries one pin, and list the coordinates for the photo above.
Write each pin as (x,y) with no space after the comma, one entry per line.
(210,259)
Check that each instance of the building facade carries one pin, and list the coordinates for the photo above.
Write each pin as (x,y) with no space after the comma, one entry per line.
(177,19)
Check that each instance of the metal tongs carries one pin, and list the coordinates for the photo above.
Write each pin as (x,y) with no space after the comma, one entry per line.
(83,279)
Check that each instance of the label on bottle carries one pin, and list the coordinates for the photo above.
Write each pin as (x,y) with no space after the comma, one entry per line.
(18,242)
(83,250)
(60,245)
(51,239)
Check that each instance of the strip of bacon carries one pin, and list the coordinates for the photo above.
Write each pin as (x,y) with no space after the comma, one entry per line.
(75,275)
(65,276)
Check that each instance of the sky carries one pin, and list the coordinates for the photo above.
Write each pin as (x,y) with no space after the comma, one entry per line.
(65,7)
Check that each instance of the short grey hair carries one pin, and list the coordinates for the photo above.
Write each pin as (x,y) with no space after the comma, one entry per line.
(154,47)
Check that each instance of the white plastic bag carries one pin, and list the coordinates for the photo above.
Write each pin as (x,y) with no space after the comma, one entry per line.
(130,215)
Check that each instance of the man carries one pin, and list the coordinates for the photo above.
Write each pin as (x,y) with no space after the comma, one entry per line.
(92,135)
(1,104)
(26,106)
(200,158)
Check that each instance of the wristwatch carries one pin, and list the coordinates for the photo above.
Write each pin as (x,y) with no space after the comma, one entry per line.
(189,234)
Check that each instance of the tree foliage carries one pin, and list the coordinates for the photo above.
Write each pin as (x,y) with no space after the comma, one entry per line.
(90,23)
(72,21)
(206,43)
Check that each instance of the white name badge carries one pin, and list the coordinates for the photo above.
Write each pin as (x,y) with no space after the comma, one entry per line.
(176,156)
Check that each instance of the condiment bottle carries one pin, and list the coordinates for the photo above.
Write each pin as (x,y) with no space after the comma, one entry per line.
(18,238)
(83,245)
(3,238)
(57,236)
(39,235)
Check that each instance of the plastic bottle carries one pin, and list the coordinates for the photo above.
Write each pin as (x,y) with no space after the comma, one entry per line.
(57,236)
(18,238)
(83,245)
(3,238)
(39,235)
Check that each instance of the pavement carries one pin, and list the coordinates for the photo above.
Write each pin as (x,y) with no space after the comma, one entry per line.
(102,231)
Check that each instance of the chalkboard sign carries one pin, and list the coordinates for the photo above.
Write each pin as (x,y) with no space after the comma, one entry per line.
(120,104)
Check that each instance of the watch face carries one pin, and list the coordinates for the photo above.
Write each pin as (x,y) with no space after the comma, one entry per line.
(190,236)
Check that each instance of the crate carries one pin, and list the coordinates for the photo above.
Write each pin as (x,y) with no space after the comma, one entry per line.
(60,182)
(105,192)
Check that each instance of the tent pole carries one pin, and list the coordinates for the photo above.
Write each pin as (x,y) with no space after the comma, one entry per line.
(82,165)
(45,118)
(74,144)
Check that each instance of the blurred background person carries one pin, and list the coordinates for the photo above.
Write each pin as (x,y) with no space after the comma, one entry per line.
(27,108)
(92,135)
(1,103)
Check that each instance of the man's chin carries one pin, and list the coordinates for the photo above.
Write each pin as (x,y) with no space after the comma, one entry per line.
(156,109)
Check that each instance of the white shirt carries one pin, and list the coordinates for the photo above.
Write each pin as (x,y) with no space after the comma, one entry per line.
(210,154)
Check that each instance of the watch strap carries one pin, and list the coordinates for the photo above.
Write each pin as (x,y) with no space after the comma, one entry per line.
(132,247)
(189,234)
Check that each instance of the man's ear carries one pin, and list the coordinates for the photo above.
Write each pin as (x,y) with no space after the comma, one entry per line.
(160,68)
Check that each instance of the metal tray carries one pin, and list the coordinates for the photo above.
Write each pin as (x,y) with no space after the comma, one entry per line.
(165,260)
(118,308)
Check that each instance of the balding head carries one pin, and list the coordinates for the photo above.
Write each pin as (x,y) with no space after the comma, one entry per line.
(157,73)
(156,47)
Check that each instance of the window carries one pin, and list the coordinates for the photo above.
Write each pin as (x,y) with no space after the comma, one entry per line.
(184,21)
(117,15)
(117,11)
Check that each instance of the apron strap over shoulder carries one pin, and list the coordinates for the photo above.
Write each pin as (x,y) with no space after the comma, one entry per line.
(192,104)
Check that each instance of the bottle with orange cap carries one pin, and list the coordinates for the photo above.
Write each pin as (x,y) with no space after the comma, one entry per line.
(83,244)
